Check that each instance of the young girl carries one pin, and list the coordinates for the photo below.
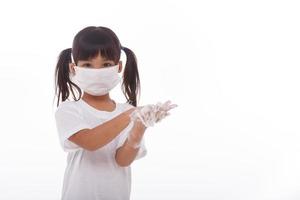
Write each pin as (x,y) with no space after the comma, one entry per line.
(102,137)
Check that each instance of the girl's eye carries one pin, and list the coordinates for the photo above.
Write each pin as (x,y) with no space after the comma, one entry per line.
(86,65)
(107,64)
(89,65)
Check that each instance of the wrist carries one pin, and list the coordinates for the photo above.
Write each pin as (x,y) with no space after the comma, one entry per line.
(133,143)
(136,134)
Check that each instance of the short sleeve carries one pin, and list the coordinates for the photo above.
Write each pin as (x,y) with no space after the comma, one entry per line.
(68,122)
(123,136)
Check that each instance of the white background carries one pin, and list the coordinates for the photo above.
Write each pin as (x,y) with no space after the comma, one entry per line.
(231,66)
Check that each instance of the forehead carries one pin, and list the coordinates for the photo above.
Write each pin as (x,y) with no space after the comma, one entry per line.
(98,58)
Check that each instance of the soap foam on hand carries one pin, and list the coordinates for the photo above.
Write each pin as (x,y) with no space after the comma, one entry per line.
(151,114)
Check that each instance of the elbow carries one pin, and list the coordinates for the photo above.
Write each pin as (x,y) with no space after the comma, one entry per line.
(122,164)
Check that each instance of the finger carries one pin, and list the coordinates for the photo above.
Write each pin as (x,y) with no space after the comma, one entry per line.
(166,104)
(164,115)
(172,106)
(164,107)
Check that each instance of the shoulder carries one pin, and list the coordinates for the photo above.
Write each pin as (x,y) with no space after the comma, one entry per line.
(66,106)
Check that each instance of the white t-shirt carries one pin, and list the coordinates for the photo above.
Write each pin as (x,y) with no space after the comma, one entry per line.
(93,175)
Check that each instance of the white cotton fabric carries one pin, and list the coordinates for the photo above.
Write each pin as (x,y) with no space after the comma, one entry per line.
(93,175)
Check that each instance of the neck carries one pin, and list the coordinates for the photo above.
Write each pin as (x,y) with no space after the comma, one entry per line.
(103,98)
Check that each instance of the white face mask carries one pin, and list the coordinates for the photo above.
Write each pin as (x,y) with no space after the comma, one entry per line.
(96,82)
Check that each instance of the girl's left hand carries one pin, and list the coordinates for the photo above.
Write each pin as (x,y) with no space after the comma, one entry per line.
(136,134)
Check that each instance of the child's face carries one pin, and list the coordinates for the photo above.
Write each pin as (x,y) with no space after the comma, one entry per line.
(97,62)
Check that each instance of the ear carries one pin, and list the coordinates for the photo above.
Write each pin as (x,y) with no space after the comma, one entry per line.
(120,66)
(71,68)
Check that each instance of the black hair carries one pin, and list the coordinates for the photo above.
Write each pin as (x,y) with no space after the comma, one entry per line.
(87,44)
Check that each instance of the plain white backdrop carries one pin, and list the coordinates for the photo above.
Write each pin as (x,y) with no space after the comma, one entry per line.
(231,66)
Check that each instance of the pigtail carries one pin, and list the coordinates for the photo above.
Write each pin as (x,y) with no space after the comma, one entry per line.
(131,79)
(63,84)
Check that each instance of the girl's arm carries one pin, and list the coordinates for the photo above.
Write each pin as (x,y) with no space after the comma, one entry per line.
(99,136)
(126,154)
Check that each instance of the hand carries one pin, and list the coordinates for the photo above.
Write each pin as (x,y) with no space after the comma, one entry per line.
(136,134)
(151,114)
(162,110)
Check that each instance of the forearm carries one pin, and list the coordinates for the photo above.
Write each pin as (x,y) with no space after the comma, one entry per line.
(126,154)
(104,133)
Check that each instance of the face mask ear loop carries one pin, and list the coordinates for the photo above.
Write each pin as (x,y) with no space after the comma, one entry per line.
(72,58)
